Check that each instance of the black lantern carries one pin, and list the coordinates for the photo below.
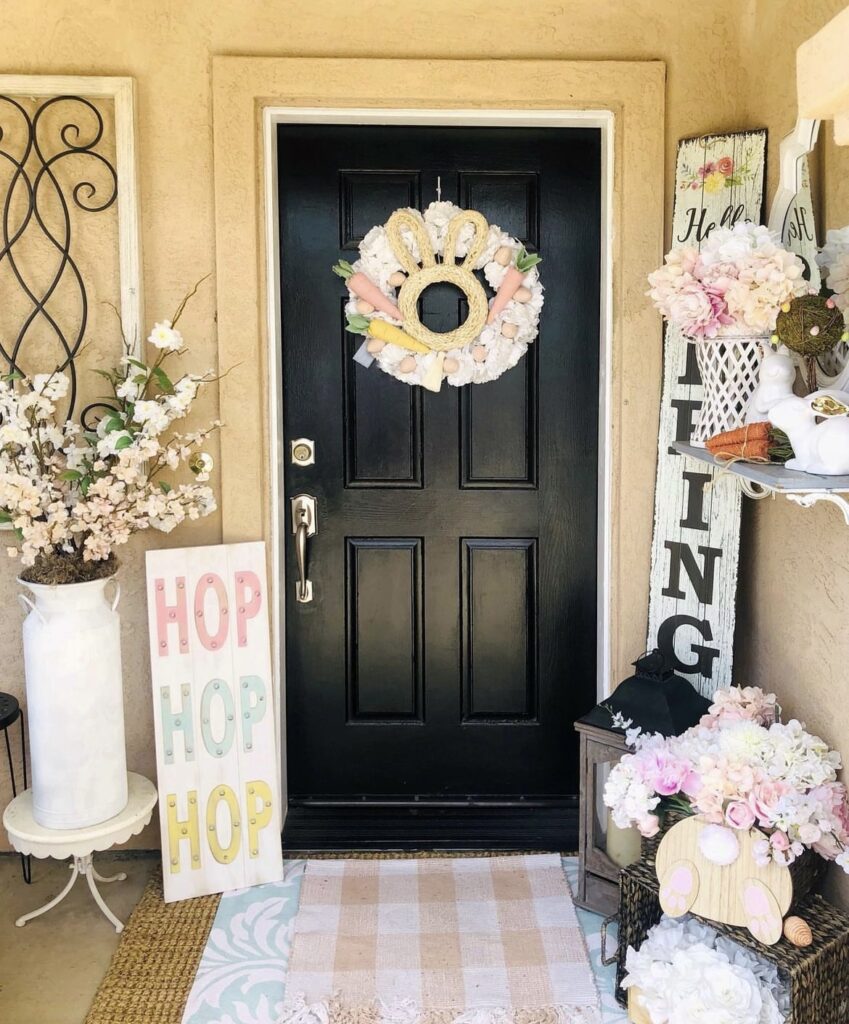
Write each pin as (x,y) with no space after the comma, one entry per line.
(656,700)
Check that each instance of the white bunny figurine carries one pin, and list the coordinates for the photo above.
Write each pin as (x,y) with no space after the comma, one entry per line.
(775,381)
(821,448)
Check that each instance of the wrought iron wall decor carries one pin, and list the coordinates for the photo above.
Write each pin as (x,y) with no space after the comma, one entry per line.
(67,155)
(36,202)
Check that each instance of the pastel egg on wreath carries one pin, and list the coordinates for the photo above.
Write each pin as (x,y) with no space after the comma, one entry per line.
(407,364)
(375,345)
(503,255)
(450,366)
(364,308)
(509,330)
(397,279)
(479,353)
(522,294)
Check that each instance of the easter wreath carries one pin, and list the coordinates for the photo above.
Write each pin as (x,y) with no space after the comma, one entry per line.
(401,258)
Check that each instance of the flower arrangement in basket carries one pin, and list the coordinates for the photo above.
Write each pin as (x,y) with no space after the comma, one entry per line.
(761,799)
(72,495)
(726,298)
(685,972)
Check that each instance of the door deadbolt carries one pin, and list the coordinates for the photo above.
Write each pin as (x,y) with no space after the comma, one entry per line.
(303,452)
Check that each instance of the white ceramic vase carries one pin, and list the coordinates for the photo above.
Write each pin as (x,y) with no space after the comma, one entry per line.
(729,366)
(75,703)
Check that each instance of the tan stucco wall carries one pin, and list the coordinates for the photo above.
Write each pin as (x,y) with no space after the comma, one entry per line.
(167,47)
(792,634)
(728,64)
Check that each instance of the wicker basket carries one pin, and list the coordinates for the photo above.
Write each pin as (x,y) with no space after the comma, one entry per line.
(818,974)
(729,367)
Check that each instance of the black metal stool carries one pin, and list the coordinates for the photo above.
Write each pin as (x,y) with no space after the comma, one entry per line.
(10,712)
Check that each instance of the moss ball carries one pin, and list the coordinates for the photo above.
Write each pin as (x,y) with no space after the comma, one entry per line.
(810,325)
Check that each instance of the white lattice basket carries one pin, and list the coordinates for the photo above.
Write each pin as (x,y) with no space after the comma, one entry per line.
(729,367)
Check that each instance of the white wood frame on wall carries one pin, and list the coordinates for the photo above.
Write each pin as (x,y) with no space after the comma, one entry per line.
(122,92)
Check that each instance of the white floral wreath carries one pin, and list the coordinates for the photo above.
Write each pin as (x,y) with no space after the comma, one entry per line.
(396,255)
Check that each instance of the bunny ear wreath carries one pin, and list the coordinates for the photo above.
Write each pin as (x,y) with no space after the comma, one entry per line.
(401,258)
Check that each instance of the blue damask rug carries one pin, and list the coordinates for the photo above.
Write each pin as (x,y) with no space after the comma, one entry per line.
(242,974)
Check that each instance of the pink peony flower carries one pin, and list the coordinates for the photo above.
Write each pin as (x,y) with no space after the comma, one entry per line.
(780,841)
(763,800)
(739,815)
(664,774)
(698,311)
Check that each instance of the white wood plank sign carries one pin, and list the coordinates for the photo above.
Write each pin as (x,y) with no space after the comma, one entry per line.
(719,181)
(214,717)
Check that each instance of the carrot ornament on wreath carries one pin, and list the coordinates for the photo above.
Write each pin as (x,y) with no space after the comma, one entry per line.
(382,332)
(364,288)
(512,287)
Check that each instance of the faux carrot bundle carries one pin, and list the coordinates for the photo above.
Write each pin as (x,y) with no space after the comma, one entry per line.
(512,282)
(383,331)
(364,288)
(756,442)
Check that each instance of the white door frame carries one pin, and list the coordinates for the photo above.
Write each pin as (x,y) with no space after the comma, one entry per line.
(274,115)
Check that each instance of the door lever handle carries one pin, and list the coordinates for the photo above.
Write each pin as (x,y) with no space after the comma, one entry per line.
(304,525)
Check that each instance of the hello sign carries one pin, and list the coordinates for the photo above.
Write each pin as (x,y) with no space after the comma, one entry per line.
(695,547)
(214,718)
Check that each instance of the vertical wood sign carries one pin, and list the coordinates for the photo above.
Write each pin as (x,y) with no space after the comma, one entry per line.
(719,181)
(214,718)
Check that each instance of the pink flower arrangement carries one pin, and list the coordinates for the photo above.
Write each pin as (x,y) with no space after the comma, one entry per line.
(736,283)
(743,768)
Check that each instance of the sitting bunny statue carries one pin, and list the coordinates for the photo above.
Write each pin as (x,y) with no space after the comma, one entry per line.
(775,381)
(818,447)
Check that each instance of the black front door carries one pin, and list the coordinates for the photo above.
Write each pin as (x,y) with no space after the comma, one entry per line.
(432,682)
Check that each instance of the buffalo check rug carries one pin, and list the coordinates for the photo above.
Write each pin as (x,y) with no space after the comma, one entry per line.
(438,941)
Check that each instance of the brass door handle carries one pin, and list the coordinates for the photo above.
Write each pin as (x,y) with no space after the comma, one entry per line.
(304,525)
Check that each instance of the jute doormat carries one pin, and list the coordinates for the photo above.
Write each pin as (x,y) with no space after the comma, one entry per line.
(154,967)
(152,970)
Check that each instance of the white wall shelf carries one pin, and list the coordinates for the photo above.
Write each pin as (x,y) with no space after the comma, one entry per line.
(761,481)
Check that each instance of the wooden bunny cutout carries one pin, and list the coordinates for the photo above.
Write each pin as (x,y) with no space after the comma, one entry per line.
(710,870)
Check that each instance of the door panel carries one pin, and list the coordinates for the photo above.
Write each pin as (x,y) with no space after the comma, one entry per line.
(451,640)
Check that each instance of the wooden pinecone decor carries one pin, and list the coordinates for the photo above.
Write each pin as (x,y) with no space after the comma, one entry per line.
(756,442)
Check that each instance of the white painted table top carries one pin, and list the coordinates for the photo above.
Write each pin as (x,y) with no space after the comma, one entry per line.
(27,836)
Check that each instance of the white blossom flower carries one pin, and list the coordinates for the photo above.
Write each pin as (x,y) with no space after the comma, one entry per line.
(129,389)
(52,385)
(165,336)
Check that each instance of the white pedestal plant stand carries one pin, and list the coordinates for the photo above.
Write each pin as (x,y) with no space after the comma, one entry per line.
(28,837)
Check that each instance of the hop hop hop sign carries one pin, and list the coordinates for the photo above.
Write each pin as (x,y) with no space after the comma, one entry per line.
(214,716)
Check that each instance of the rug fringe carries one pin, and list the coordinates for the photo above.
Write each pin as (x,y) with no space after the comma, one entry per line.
(405,1011)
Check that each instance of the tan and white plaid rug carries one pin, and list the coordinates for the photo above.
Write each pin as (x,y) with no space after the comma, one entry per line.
(439,941)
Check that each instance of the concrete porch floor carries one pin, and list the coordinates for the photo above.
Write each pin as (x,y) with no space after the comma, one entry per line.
(50,968)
